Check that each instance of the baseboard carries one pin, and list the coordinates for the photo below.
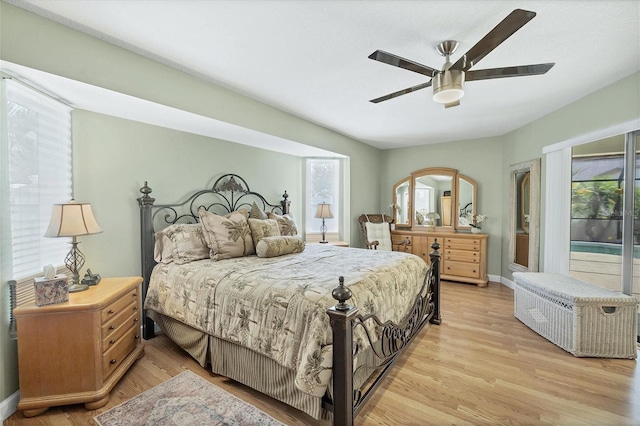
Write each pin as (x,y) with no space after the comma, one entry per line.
(507,282)
(9,406)
(494,278)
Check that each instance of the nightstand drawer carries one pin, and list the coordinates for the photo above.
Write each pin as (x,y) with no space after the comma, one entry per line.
(116,307)
(462,269)
(113,332)
(462,256)
(463,243)
(112,358)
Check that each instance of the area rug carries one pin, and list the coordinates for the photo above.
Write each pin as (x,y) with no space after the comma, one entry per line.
(186,399)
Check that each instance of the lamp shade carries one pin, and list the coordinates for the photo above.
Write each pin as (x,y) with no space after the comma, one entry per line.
(71,220)
(432,215)
(324,211)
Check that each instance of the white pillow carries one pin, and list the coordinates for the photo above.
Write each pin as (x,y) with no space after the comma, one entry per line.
(379,232)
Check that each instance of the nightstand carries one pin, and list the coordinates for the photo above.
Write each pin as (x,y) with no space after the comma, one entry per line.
(76,351)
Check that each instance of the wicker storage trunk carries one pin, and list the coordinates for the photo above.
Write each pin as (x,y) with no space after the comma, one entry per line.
(581,318)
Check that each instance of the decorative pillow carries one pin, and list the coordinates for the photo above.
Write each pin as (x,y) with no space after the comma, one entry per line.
(261,228)
(163,248)
(278,246)
(227,236)
(286,223)
(257,213)
(187,242)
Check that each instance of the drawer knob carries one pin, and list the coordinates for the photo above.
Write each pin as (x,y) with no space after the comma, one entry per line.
(135,308)
(136,337)
(110,311)
(113,361)
(111,342)
(111,328)
(135,320)
(135,294)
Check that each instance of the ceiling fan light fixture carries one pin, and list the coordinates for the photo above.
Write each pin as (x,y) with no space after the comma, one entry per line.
(448,86)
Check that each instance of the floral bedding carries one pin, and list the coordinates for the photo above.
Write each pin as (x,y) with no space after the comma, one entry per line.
(277,306)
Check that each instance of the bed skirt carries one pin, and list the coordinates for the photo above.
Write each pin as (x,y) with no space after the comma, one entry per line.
(266,376)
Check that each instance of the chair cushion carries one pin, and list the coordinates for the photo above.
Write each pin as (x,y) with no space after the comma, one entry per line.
(379,232)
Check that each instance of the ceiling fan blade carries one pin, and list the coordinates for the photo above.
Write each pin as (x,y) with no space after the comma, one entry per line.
(517,71)
(509,25)
(400,92)
(452,104)
(397,61)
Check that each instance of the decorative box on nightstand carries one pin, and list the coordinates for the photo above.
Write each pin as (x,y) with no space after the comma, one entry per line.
(76,351)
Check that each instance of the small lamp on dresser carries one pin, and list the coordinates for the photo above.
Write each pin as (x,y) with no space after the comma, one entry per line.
(324,212)
(431,219)
(72,220)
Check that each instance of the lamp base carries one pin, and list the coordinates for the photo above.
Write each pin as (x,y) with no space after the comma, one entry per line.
(324,242)
(74,288)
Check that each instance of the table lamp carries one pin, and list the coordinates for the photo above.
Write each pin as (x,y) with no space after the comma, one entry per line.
(431,218)
(324,212)
(72,220)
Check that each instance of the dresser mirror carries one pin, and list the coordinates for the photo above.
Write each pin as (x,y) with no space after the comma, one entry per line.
(435,197)
(466,192)
(524,226)
(401,204)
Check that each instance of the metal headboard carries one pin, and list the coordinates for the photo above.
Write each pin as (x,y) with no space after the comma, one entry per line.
(229,193)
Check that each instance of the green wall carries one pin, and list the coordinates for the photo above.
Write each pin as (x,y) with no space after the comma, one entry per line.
(614,104)
(480,159)
(114,157)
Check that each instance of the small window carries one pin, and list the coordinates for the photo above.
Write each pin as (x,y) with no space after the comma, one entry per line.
(323,186)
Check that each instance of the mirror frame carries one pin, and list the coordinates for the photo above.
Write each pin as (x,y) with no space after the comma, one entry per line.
(533,167)
(475,199)
(409,181)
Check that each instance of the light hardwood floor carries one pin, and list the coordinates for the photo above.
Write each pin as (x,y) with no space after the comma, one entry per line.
(481,366)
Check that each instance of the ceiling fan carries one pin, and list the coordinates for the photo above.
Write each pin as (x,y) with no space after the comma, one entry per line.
(448,83)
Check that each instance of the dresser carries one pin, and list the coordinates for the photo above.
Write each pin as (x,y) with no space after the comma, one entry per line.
(463,256)
(77,351)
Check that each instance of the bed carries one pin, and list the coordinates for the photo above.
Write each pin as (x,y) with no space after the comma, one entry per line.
(315,326)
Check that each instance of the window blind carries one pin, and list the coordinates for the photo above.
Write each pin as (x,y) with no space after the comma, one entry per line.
(322,186)
(38,160)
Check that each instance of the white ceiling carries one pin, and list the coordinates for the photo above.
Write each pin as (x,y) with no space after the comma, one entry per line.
(309,58)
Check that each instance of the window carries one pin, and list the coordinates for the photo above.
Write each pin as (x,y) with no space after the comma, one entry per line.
(323,186)
(36,173)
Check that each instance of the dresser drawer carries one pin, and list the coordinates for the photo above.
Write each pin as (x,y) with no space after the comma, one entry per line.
(462,255)
(462,269)
(113,309)
(117,329)
(112,358)
(463,243)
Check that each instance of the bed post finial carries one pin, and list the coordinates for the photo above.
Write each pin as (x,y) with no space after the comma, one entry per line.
(285,203)
(146,199)
(341,294)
